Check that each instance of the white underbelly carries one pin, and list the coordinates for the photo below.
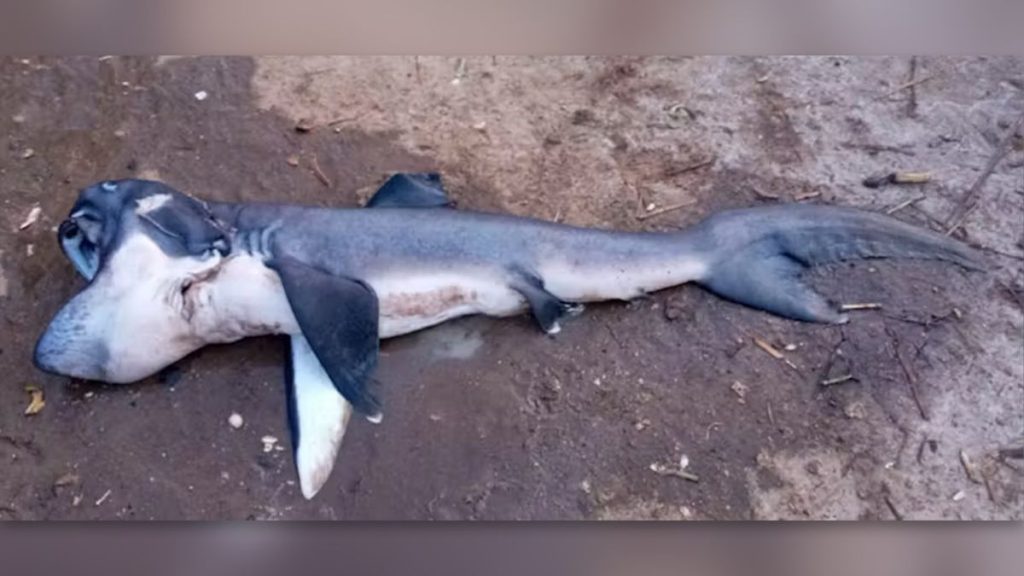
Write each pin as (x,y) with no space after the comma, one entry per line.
(411,304)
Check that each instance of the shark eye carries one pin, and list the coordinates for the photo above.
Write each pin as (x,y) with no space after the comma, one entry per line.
(109,186)
(69,229)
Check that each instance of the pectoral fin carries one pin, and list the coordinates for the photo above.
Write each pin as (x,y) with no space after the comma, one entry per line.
(318,415)
(338,317)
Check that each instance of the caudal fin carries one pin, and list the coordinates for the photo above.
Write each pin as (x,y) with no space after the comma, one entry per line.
(758,254)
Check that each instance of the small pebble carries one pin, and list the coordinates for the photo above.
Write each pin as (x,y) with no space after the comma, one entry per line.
(960,495)
(201,95)
(268,443)
(235,420)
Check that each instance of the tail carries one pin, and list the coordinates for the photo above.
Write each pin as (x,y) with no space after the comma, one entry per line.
(755,256)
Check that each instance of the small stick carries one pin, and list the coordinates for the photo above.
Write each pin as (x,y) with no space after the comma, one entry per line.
(689,168)
(876,148)
(908,371)
(912,101)
(920,451)
(904,204)
(906,85)
(769,349)
(664,471)
(892,508)
(960,221)
(660,211)
(771,417)
(341,119)
(103,498)
(912,381)
(761,194)
(988,488)
(864,306)
(970,199)
(969,469)
(911,177)
(807,196)
(839,380)
(320,173)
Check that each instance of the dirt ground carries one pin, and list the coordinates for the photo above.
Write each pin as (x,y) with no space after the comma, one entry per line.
(489,419)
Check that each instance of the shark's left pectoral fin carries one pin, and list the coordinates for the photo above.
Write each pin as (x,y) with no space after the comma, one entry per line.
(339,318)
(318,415)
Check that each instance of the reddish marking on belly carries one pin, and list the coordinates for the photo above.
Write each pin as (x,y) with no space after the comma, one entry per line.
(425,304)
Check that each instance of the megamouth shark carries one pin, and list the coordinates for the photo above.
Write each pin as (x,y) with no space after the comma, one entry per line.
(169,273)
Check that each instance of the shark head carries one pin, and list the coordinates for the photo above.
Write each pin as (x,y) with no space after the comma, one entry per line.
(146,250)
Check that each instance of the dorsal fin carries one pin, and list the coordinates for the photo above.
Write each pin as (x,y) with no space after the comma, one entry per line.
(411,190)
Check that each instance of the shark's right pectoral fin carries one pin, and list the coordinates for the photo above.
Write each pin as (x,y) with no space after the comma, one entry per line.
(317,414)
(339,319)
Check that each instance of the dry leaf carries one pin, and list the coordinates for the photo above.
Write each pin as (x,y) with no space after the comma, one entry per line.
(33,216)
(36,404)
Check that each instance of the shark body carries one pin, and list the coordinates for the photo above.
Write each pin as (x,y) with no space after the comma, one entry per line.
(169,273)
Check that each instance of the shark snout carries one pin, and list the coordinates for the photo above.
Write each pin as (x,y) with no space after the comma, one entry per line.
(58,351)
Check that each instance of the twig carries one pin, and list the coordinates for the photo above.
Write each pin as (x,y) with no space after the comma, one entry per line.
(771,417)
(807,196)
(904,204)
(320,173)
(774,352)
(920,451)
(689,168)
(341,119)
(892,508)
(864,306)
(911,376)
(771,350)
(988,488)
(906,85)
(663,210)
(103,498)
(765,195)
(912,101)
(665,471)
(876,148)
(970,199)
(969,469)
(839,380)
(960,221)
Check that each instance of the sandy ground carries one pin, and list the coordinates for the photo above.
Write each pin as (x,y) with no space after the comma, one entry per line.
(489,419)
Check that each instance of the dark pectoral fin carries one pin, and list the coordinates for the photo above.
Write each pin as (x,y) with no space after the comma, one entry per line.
(411,191)
(318,416)
(338,317)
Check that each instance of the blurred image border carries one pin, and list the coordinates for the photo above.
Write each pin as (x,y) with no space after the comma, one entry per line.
(192,27)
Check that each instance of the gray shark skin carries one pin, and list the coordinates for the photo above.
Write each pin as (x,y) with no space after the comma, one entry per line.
(169,273)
